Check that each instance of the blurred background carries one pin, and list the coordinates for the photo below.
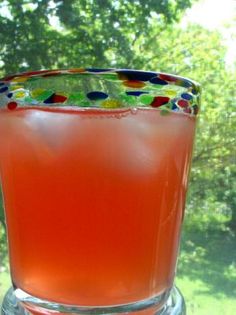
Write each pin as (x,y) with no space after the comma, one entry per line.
(196,39)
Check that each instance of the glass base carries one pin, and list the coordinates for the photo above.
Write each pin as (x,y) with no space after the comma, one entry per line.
(174,305)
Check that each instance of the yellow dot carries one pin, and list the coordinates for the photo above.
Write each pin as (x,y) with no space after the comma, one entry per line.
(19,94)
(15,87)
(36,92)
(77,70)
(19,79)
(170,93)
(134,83)
(111,104)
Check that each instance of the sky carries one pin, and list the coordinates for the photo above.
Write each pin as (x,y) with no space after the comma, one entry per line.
(213,15)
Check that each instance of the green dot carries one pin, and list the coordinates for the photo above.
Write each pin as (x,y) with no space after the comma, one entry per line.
(157,86)
(129,99)
(146,99)
(83,103)
(76,98)
(29,99)
(112,77)
(44,95)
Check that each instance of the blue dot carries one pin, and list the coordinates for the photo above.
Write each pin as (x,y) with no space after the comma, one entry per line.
(173,102)
(174,107)
(3,89)
(50,99)
(97,70)
(136,75)
(185,83)
(135,93)
(186,96)
(9,95)
(194,91)
(96,95)
(159,81)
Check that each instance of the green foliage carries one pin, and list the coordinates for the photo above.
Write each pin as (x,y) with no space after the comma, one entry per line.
(3,250)
(199,54)
(92,33)
(208,254)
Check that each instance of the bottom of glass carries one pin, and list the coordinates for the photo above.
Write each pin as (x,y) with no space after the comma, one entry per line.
(19,303)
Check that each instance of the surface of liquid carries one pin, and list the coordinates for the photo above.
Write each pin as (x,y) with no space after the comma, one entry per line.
(94,201)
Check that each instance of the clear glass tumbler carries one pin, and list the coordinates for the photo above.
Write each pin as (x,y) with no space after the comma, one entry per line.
(94,166)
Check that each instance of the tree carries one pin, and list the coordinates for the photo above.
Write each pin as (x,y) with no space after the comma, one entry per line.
(200,54)
(97,33)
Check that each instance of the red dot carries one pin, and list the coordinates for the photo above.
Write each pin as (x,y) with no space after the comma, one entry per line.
(188,110)
(51,74)
(29,73)
(12,105)
(167,77)
(59,98)
(9,78)
(160,100)
(195,109)
(183,103)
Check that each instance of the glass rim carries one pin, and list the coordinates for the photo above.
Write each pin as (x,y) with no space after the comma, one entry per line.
(133,88)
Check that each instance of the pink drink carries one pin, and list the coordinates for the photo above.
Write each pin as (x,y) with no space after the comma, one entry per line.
(94,201)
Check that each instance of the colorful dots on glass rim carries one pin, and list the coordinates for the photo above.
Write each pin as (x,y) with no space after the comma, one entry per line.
(146,99)
(3,89)
(76,98)
(97,70)
(55,98)
(77,70)
(12,105)
(159,101)
(195,108)
(128,100)
(186,96)
(101,88)
(135,75)
(96,95)
(15,87)
(158,81)
(188,110)
(167,77)
(43,95)
(19,79)
(111,103)
(51,74)
(19,94)
(134,84)
(136,93)
(183,103)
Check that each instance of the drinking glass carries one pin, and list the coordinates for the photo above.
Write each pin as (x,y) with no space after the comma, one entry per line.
(94,167)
